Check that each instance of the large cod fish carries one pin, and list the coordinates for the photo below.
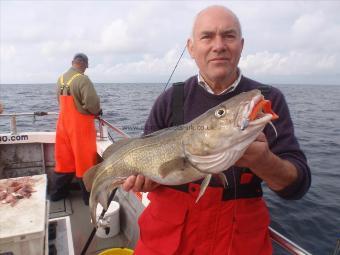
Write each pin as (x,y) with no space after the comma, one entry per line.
(207,145)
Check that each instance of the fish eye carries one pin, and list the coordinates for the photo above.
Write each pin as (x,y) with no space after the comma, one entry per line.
(219,113)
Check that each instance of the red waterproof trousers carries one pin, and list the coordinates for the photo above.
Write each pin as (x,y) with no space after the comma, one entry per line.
(75,147)
(174,224)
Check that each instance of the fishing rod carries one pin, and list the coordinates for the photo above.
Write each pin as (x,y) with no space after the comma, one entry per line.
(94,230)
(175,67)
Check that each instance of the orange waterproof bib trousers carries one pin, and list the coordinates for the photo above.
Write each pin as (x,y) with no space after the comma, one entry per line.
(174,224)
(75,147)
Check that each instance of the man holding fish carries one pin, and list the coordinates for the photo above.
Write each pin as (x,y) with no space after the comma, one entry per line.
(230,217)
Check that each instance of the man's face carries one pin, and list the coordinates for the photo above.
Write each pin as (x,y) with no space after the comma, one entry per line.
(83,65)
(216,46)
(80,64)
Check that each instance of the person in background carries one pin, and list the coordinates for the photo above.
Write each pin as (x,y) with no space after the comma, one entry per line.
(75,147)
(232,220)
(1,108)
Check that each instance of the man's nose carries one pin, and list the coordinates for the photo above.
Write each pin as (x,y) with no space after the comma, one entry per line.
(219,44)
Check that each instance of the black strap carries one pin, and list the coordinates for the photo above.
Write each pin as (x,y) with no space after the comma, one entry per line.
(62,89)
(178,103)
(250,190)
(265,90)
(242,191)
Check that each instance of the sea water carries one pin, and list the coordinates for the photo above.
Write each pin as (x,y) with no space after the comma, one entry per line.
(312,222)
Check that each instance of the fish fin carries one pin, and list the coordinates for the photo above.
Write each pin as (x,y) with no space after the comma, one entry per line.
(89,177)
(223,179)
(153,133)
(114,147)
(161,131)
(178,163)
(204,186)
(214,163)
(210,163)
(93,209)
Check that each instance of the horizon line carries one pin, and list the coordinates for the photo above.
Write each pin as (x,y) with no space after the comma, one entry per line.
(163,83)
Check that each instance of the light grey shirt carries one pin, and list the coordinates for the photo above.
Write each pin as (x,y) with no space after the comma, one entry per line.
(231,88)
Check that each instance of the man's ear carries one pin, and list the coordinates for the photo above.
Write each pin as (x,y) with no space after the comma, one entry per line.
(190,47)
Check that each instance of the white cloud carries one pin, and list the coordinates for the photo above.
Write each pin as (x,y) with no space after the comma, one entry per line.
(7,52)
(141,70)
(51,48)
(131,41)
(117,37)
(316,32)
(293,63)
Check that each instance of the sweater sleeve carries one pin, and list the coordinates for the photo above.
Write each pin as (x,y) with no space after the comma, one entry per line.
(286,146)
(89,99)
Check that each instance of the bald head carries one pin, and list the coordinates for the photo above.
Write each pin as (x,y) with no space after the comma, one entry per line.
(215,10)
(216,46)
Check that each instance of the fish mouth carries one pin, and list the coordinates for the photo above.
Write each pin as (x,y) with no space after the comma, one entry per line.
(256,112)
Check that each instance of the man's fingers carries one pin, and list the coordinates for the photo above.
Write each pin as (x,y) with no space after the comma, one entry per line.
(139,183)
(261,137)
(149,185)
(129,183)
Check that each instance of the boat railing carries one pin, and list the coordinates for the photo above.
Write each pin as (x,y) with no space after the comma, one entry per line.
(13,116)
(104,125)
(337,246)
(286,244)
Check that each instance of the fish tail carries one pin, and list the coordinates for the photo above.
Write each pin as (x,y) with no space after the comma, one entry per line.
(89,177)
(101,193)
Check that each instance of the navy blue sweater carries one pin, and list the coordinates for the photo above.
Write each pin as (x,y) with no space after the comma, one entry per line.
(197,101)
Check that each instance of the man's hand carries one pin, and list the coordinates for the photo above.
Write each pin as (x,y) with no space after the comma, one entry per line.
(139,183)
(276,172)
(256,153)
(100,113)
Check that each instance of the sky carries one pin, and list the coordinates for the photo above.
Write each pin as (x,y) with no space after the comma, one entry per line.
(286,42)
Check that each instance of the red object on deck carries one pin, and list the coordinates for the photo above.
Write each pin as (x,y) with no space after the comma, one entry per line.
(75,147)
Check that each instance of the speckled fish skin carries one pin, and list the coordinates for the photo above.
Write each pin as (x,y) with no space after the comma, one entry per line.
(207,145)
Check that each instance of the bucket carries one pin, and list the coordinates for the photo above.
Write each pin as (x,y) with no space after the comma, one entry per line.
(111,221)
(117,251)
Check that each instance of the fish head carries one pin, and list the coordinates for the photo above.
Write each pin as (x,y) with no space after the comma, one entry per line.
(229,127)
